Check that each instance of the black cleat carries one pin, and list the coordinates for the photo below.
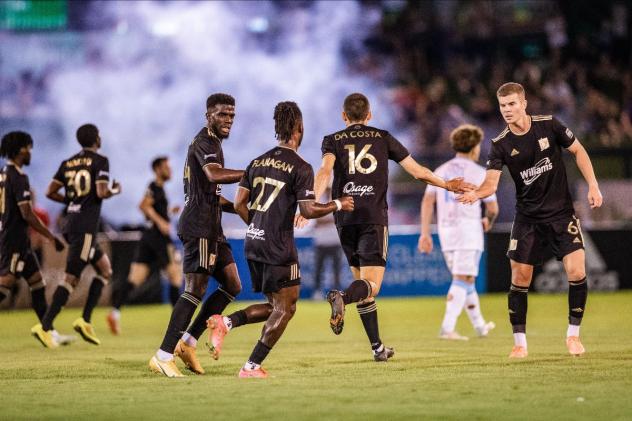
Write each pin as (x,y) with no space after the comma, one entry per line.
(337,319)
(384,355)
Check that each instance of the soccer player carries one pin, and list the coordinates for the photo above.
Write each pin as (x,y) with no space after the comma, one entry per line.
(155,246)
(206,251)
(17,258)
(358,155)
(85,179)
(460,231)
(272,187)
(531,148)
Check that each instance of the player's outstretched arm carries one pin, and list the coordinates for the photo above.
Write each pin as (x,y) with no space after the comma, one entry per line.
(489,186)
(241,204)
(147,208)
(226,205)
(595,199)
(105,192)
(427,211)
(219,175)
(34,222)
(311,209)
(52,192)
(422,173)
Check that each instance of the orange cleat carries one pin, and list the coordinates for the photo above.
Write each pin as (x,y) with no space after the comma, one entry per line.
(574,346)
(187,354)
(113,323)
(518,352)
(216,331)
(258,373)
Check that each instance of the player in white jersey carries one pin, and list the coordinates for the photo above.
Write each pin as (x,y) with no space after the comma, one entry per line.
(460,231)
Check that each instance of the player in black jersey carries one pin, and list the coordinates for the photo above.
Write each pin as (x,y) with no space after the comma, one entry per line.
(85,179)
(358,156)
(272,187)
(531,148)
(206,251)
(17,258)
(155,250)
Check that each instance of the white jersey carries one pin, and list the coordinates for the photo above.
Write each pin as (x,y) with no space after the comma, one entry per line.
(459,225)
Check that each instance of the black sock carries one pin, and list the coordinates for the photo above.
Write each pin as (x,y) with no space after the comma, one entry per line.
(577,296)
(368,315)
(94,293)
(38,301)
(180,318)
(238,318)
(358,290)
(60,298)
(517,300)
(121,295)
(259,353)
(214,304)
(174,294)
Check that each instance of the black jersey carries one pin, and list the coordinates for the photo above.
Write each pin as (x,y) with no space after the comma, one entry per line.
(361,171)
(535,164)
(202,214)
(14,190)
(277,181)
(159,201)
(80,175)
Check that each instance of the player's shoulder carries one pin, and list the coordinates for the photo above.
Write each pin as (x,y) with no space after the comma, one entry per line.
(502,135)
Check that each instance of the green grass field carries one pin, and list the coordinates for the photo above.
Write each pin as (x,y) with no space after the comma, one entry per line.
(317,375)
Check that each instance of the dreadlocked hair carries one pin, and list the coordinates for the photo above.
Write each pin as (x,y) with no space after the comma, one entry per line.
(12,143)
(287,116)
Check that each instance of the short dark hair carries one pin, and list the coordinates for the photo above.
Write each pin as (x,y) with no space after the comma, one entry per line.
(356,106)
(219,98)
(465,137)
(87,135)
(287,116)
(12,142)
(158,161)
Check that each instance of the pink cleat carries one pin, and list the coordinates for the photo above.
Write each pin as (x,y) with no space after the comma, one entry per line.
(575,346)
(258,373)
(217,331)
(518,352)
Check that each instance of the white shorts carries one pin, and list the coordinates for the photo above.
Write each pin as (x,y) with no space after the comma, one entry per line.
(463,262)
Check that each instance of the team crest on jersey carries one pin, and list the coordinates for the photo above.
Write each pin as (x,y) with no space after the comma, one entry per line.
(569,133)
(544,143)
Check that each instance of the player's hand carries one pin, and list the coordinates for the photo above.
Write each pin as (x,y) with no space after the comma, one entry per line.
(300,221)
(487,225)
(425,244)
(459,185)
(59,245)
(347,203)
(468,197)
(595,199)
(116,187)
(164,228)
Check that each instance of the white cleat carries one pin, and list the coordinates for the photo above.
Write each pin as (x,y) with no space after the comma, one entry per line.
(484,330)
(63,339)
(453,336)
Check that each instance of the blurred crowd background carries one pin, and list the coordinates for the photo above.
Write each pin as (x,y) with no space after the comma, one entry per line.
(141,72)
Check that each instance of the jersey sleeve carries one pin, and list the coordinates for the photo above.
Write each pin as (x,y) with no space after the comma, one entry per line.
(21,189)
(103,171)
(563,135)
(304,184)
(495,159)
(245,179)
(396,151)
(328,146)
(151,191)
(59,175)
(207,153)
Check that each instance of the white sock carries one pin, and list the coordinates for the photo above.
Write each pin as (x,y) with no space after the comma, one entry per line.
(164,356)
(473,309)
(520,339)
(249,366)
(573,330)
(188,339)
(228,322)
(116,313)
(454,305)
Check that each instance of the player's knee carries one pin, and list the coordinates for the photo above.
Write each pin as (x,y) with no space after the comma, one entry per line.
(375,288)
(72,280)
(520,278)
(575,273)
(233,287)
(195,287)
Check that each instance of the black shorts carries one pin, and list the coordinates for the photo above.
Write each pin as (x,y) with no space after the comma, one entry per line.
(154,249)
(203,255)
(83,250)
(364,245)
(268,278)
(18,260)
(528,242)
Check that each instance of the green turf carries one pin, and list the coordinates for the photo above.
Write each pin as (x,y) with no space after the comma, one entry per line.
(317,375)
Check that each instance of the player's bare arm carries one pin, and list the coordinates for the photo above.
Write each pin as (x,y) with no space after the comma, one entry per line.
(216,174)
(489,187)
(241,204)
(146,206)
(491,213)
(422,173)
(226,205)
(34,222)
(104,191)
(427,212)
(595,199)
(311,209)
(323,175)
(52,192)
